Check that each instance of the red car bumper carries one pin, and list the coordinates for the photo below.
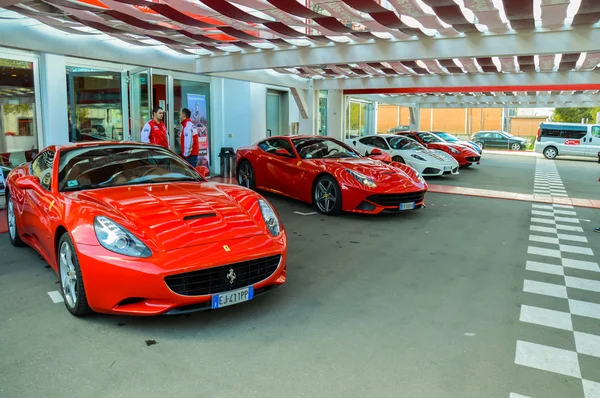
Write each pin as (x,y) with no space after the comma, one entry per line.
(464,159)
(382,200)
(120,285)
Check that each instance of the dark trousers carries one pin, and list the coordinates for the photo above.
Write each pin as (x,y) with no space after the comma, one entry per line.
(192,159)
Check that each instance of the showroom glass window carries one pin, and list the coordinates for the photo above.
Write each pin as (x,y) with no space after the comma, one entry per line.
(196,97)
(95,104)
(18,137)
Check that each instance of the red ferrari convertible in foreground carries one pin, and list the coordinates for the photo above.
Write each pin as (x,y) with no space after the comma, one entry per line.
(133,229)
(464,155)
(330,174)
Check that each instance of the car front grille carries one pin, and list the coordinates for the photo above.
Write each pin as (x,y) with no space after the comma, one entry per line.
(473,159)
(214,280)
(431,170)
(395,199)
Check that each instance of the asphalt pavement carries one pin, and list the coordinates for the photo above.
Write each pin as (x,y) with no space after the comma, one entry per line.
(420,304)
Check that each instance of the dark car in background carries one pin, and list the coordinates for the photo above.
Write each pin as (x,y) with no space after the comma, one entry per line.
(455,140)
(499,139)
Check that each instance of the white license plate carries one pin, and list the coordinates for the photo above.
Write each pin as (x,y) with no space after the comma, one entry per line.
(407,206)
(447,168)
(232,297)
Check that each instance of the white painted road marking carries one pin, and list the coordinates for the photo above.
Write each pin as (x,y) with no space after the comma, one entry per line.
(538,228)
(542,213)
(567,219)
(551,359)
(582,283)
(591,389)
(574,238)
(305,214)
(540,251)
(576,249)
(583,265)
(545,268)
(588,344)
(546,289)
(563,206)
(56,297)
(545,317)
(543,239)
(569,228)
(513,395)
(543,220)
(583,308)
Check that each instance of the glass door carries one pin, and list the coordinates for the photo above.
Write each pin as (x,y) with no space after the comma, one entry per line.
(322,122)
(140,95)
(273,114)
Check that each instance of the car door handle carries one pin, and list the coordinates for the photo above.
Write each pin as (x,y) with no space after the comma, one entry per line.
(585,139)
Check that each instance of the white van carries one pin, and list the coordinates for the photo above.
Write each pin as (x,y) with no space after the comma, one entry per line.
(569,139)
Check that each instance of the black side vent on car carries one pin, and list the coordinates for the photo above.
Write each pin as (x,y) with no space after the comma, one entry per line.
(197,216)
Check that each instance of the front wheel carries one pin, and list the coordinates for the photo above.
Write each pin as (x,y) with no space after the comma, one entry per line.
(515,146)
(245,175)
(550,152)
(481,144)
(327,196)
(71,279)
(11,221)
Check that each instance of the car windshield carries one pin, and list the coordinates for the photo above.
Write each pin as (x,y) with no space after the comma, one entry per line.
(117,165)
(447,137)
(428,138)
(322,148)
(404,144)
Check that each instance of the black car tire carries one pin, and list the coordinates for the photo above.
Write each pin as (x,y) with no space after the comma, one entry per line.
(328,181)
(16,239)
(550,152)
(250,181)
(81,307)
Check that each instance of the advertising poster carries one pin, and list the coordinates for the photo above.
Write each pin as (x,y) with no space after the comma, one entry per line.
(197,105)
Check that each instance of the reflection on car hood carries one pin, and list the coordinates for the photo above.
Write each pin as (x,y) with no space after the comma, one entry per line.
(374,169)
(176,215)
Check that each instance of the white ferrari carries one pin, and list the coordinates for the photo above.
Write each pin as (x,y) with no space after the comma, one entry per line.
(428,162)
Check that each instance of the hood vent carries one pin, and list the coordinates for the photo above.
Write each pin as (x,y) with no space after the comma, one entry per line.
(197,216)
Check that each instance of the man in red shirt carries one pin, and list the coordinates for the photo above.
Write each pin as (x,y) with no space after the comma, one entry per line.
(189,138)
(155,131)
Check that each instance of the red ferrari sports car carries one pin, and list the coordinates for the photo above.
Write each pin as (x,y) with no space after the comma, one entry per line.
(330,174)
(464,155)
(133,229)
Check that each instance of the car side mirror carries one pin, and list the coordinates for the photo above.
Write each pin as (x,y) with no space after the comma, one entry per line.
(376,152)
(27,182)
(203,171)
(282,152)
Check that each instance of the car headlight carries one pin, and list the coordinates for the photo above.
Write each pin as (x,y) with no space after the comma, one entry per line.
(454,150)
(363,179)
(117,239)
(419,176)
(270,217)
(421,158)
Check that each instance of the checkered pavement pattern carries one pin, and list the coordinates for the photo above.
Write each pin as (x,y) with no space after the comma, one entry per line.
(562,266)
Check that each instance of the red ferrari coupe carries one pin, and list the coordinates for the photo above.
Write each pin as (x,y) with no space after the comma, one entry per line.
(133,229)
(464,155)
(330,174)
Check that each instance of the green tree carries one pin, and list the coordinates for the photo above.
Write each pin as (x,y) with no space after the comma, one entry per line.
(574,115)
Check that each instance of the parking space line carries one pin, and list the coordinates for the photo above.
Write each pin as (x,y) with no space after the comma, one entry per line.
(547,358)
(545,289)
(56,297)
(582,283)
(546,317)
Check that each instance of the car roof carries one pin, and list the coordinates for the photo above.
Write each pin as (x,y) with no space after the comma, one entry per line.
(88,144)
